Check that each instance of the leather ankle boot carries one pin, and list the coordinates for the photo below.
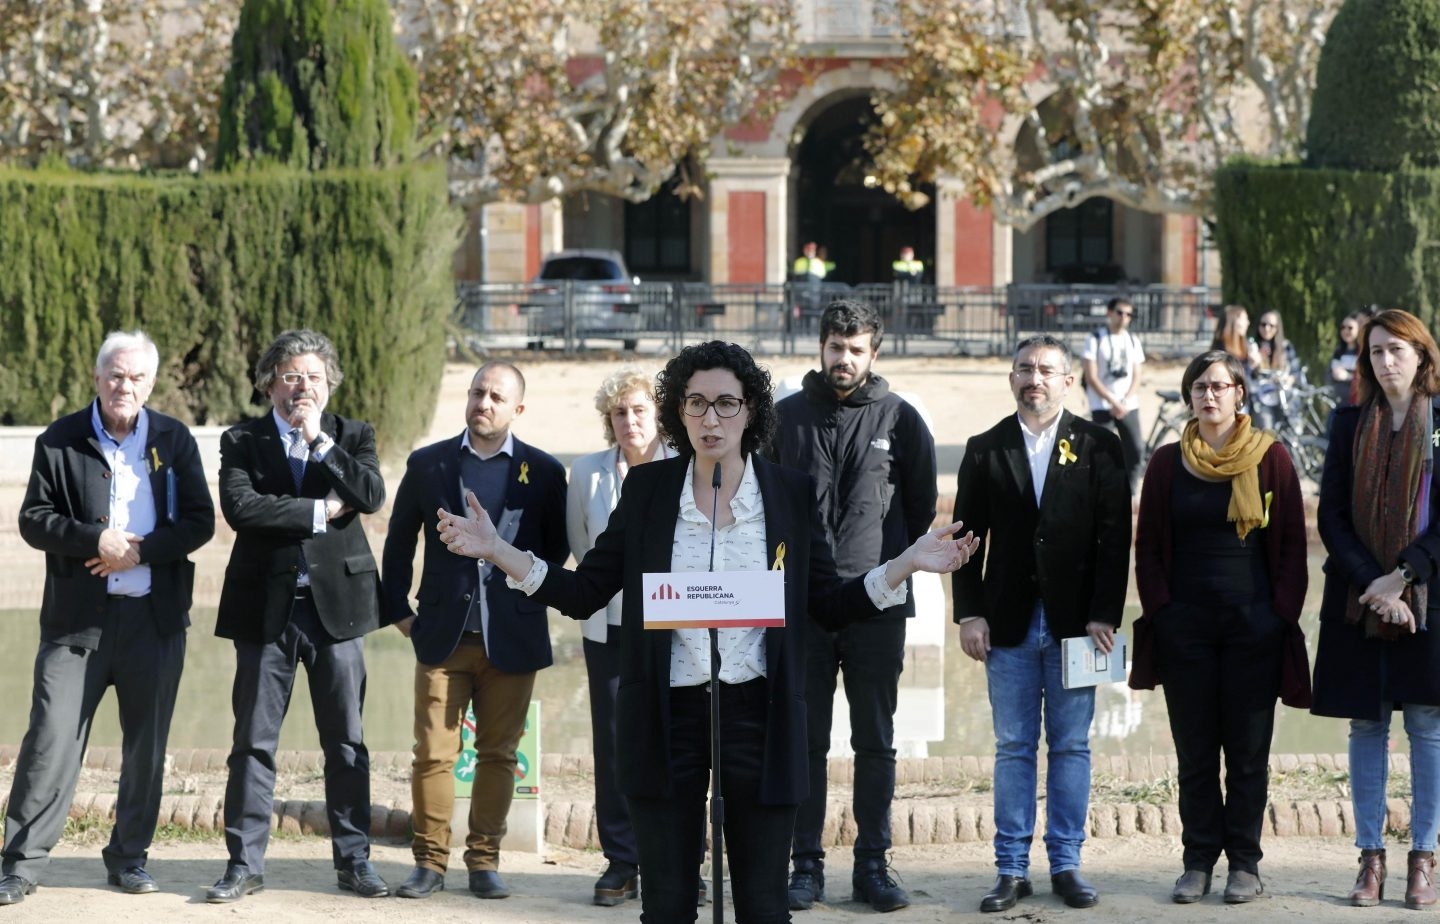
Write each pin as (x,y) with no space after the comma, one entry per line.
(1370,884)
(1420,885)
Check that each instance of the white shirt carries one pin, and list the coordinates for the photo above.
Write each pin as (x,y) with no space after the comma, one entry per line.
(738,547)
(132,502)
(1112,352)
(1039,446)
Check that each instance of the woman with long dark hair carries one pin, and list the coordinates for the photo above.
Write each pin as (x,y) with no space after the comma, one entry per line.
(1378,652)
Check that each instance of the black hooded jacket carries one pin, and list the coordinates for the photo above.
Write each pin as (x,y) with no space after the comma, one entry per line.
(873,460)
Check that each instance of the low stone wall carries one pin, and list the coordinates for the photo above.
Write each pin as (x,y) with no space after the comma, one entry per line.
(939,819)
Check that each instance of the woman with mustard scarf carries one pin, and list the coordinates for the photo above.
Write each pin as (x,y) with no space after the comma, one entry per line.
(1220,566)
(1379,651)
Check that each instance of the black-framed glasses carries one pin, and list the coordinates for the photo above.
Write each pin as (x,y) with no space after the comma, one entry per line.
(725,405)
(295,378)
(1198,389)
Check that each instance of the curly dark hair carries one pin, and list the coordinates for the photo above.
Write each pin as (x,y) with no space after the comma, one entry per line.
(754,379)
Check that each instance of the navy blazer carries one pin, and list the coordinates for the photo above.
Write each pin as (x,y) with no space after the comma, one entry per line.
(640,539)
(67,507)
(1071,551)
(273,522)
(518,638)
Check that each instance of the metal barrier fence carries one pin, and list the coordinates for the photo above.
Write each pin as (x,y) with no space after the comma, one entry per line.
(784,318)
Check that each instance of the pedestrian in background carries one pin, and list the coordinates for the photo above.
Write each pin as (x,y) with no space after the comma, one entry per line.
(1112,359)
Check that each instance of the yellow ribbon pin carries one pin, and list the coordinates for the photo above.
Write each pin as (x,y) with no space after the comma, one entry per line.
(524,473)
(1265,519)
(154,459)
(1065,454)
(779,558)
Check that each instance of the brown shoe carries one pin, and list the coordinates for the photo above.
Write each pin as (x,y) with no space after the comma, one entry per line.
(1420,885)
(1370,884)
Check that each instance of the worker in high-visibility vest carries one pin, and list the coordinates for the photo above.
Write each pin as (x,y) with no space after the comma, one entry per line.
(809,265)
(907,268)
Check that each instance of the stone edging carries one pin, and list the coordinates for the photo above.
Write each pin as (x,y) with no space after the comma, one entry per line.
(914,820)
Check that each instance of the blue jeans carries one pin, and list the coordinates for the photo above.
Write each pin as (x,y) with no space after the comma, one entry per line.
(1370,769)
(1022,680)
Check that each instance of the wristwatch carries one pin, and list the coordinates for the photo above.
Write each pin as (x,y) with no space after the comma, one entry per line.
(1407,574)
(318,441)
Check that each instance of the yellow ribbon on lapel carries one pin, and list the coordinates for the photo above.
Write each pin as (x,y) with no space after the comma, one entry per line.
(154,460)
(1066,455)
(524,473)
(1265,518)
(779,564)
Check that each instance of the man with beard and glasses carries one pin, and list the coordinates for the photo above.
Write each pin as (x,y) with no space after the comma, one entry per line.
(1046,492)
(301,588)
(873,460)
(477,642)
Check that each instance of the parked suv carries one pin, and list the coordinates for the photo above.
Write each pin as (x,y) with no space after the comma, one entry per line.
(601,290)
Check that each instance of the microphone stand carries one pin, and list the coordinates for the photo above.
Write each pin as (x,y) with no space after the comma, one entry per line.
(717,801)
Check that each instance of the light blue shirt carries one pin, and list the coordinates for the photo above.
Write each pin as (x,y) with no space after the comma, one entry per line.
(132,502)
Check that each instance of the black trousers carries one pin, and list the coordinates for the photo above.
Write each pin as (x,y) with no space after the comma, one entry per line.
(757,836)
(264,678)
(871,655)
(144,668)
(1220,669)
(1131,445)
(612,812)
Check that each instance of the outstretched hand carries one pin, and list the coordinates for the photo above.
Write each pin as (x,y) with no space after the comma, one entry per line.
(938,552)
(472,535)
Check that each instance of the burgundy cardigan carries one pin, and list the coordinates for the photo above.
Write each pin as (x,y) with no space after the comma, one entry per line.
(1284,552)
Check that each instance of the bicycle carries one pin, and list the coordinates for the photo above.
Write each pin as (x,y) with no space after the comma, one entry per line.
(1169,423)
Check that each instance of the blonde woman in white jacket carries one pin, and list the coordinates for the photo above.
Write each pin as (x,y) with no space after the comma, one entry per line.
(626,402)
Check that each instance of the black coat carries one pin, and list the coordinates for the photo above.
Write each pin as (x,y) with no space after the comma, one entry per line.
(67,507)
(1354,675)
(518,640)
(272,523)
(1072,551)
(638,539)
(873,460)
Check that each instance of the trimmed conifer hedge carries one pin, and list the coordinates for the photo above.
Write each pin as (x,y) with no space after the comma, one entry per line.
(213,268)
(1316,244)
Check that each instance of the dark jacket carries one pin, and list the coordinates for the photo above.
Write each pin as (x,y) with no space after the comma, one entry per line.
(518,638)
(873,461)
(638,539)
(1072,552)
(67,507)
(1284,540)
(272,523)
(1356,676)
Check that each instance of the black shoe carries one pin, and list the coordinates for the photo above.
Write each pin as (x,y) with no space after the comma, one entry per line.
(133,880)
(1006,891)
(421,883)
(619,882)
(13,889)
(702,897)
(807,886)
(875,886)
(234,885)
(1076,891)
(362,879)
(486,883)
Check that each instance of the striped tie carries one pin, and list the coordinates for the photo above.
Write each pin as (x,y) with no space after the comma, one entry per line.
(299,452)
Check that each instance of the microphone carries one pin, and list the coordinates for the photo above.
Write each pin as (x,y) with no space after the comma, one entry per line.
(714,510)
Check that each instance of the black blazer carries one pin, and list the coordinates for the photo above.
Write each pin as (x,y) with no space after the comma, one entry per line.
(1072,551)
(518,640)
(638,539)
(272,523)
(67,507)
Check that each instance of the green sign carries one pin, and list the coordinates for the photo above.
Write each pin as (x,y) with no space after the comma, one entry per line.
(527,756)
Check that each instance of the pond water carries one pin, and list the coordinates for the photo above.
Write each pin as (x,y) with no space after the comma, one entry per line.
(944,710)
